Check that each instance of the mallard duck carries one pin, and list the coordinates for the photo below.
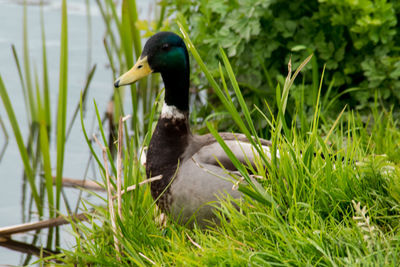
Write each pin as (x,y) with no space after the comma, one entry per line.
(189,164)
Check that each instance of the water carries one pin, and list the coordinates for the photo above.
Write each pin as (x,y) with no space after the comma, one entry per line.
(101,89)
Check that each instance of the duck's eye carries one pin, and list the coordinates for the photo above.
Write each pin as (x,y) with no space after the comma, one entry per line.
(166,47)
(140,66)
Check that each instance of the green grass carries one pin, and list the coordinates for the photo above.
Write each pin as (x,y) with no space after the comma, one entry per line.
(303,211)
(331,197)
(35,151)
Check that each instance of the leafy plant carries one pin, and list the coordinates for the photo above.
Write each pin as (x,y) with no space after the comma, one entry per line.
(357,40)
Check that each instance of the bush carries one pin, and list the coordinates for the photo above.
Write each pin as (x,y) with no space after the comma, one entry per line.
(357,40)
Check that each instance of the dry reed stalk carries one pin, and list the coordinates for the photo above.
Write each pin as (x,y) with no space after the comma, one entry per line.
(33,226)
(109,197)
(133,187)
(92,185)
(119,165)
(76,183)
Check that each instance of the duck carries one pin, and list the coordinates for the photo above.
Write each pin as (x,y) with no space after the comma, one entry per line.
(193,179)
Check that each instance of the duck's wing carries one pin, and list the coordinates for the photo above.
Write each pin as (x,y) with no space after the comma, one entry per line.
(211,153)
(201,179)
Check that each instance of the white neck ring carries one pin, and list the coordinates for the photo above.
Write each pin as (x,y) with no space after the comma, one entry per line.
(171,112)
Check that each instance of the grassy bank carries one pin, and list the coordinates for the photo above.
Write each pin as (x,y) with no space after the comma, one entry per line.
(330,197)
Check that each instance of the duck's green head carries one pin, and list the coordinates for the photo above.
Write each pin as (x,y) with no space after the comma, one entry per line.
(164,52)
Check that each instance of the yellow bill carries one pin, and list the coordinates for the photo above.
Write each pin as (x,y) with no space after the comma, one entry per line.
(140,70)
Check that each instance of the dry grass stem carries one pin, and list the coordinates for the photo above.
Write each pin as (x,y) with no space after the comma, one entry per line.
(194,243)
(363,222)
(143,156)
(91,185)
(33,226)
(144,256)
(126,117)
(161,219)
(119,165)
(289,75)
(235,186)
(109,196)
(133,187)
(77,183)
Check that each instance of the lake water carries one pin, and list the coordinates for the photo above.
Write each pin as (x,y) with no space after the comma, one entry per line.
(101,89)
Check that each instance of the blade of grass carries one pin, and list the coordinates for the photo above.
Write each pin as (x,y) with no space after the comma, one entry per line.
(29,87)
(46,92)
(334,125)
(130,37)
(84,94)
(161,17)
(231,108)
(21,78)
(238,94)
(89,37)
(109,31)
(22,150)
(282,102)
(110,58)
(259,190)
(103,136)
(88,141)
(315,74)
(45,152)
(133,18)
(327,93)
(285,92)
(317,104)
(62,101)
(234,113)
(333,100)
(114,14)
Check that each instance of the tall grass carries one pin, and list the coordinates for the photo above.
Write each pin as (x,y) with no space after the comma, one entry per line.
(123,45)
(36,150)
(328,195)
(62,106)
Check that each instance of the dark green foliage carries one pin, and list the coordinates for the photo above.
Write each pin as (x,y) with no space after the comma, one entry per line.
(357,40)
